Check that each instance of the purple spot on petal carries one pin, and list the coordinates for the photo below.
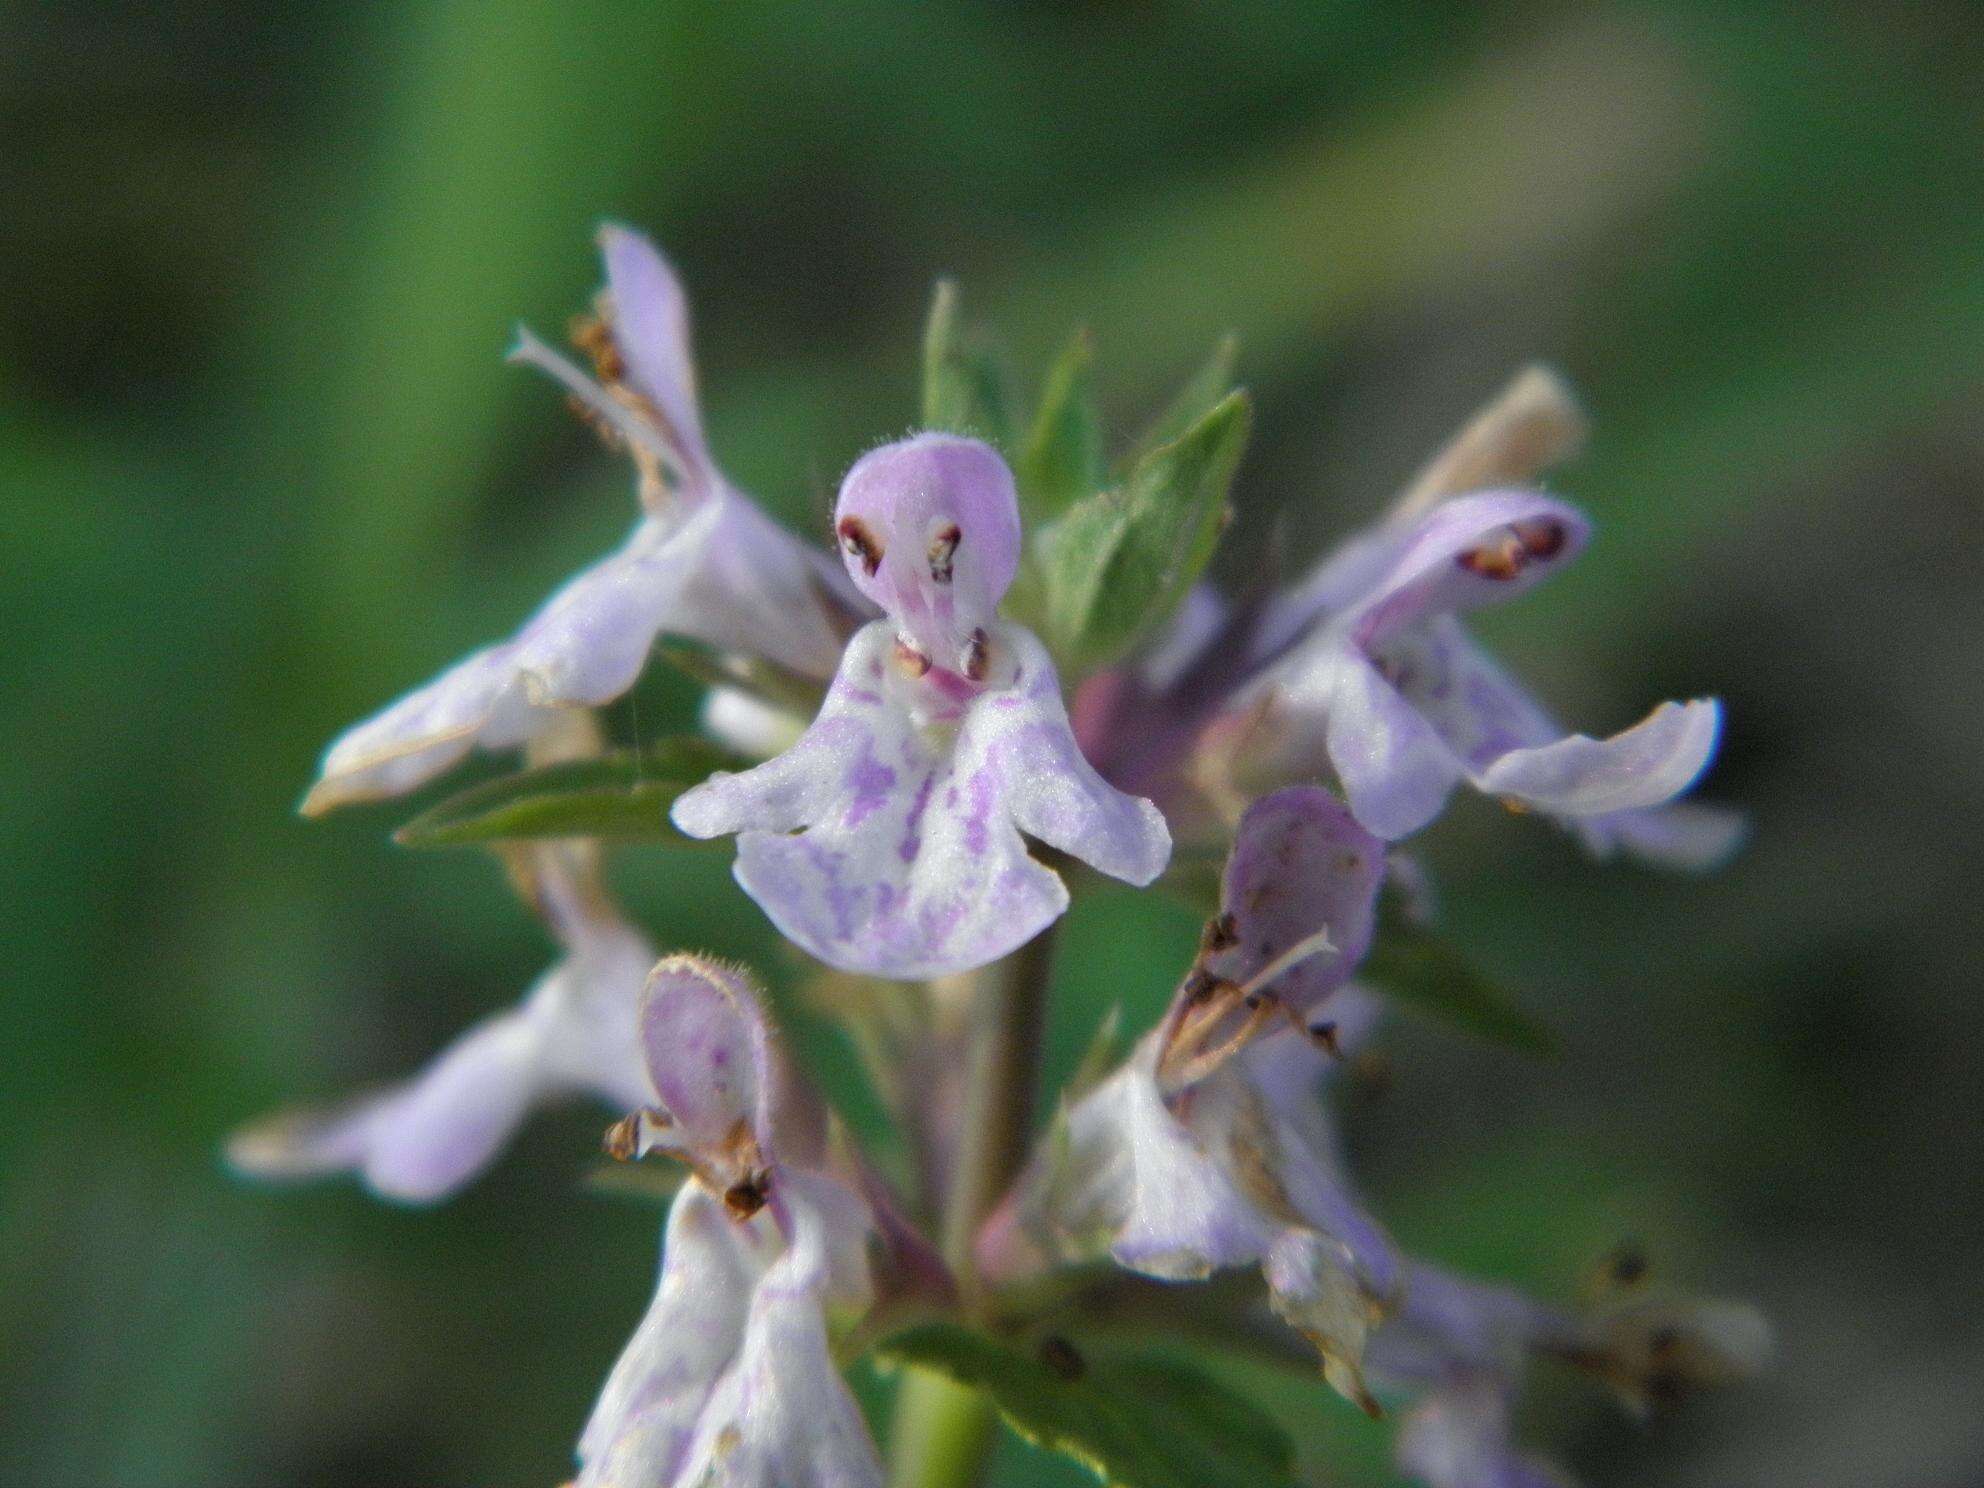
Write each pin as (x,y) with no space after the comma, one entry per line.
(912,840)
(870,781)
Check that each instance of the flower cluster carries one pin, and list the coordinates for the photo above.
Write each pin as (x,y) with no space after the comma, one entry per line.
(955,720)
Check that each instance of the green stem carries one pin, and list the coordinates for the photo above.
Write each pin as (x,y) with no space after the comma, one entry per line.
(942,1434)
(943,1431)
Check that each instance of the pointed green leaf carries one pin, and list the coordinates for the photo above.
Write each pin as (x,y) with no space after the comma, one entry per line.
(964,387)
(1117,565)
(1134,1420)
(1426,973)
(1192,402)
(623,797)
(1062,458)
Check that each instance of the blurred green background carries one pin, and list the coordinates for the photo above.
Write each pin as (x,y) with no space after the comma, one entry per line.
(262,468)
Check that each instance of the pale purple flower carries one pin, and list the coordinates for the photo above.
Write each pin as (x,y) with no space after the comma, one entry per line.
(888,839)
(1403,704)
(1209,1147)
(730,1379)
(702,562)
(573,1034)
(1360,670)
(1460,1349)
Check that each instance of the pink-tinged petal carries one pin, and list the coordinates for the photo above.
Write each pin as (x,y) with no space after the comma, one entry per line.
(590,641)
(929,529)
(829,1228)
(724,574)
(650,323)
(783,1416)
(887,841)
(1471,701)
(421,1141)
(1212,1177)
(708,1052)
(1472,551)
(1684,835)
(1287,1074)
(1646,765)
(1395,770)
(645,1420)
(585,647)
(1172,1201)
(1484,715)
(759,591)
(1301,864)
(1049,788)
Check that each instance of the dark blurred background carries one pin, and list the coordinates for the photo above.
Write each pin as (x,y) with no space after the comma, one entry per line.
(262,468)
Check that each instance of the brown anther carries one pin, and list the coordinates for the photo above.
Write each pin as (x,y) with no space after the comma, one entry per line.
(858,542)
(977,655)
(1542,537)
(1324,1034)
(942,547)
(1200,985)
(1221,933)
(1500,560)
(910,659)
(623,1138)
(746,1197)
(1662,1343)
(592,335)
(1062,1357)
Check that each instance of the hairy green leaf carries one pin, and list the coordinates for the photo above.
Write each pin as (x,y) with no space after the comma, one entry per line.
(623,796)
(964,386)
(1426,973)
(1118,563)
(1134,1420)
(1061,460)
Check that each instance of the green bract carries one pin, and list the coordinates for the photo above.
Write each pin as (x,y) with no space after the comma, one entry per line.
(623,797)
(1116,566)
(964,386)
(1135,1420)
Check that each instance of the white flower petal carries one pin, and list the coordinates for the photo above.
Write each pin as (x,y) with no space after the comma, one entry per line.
(423,1140)
(907,859)
(1647,764)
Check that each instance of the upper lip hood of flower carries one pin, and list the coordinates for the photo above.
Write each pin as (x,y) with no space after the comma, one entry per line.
(731,1370)
(929,528)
